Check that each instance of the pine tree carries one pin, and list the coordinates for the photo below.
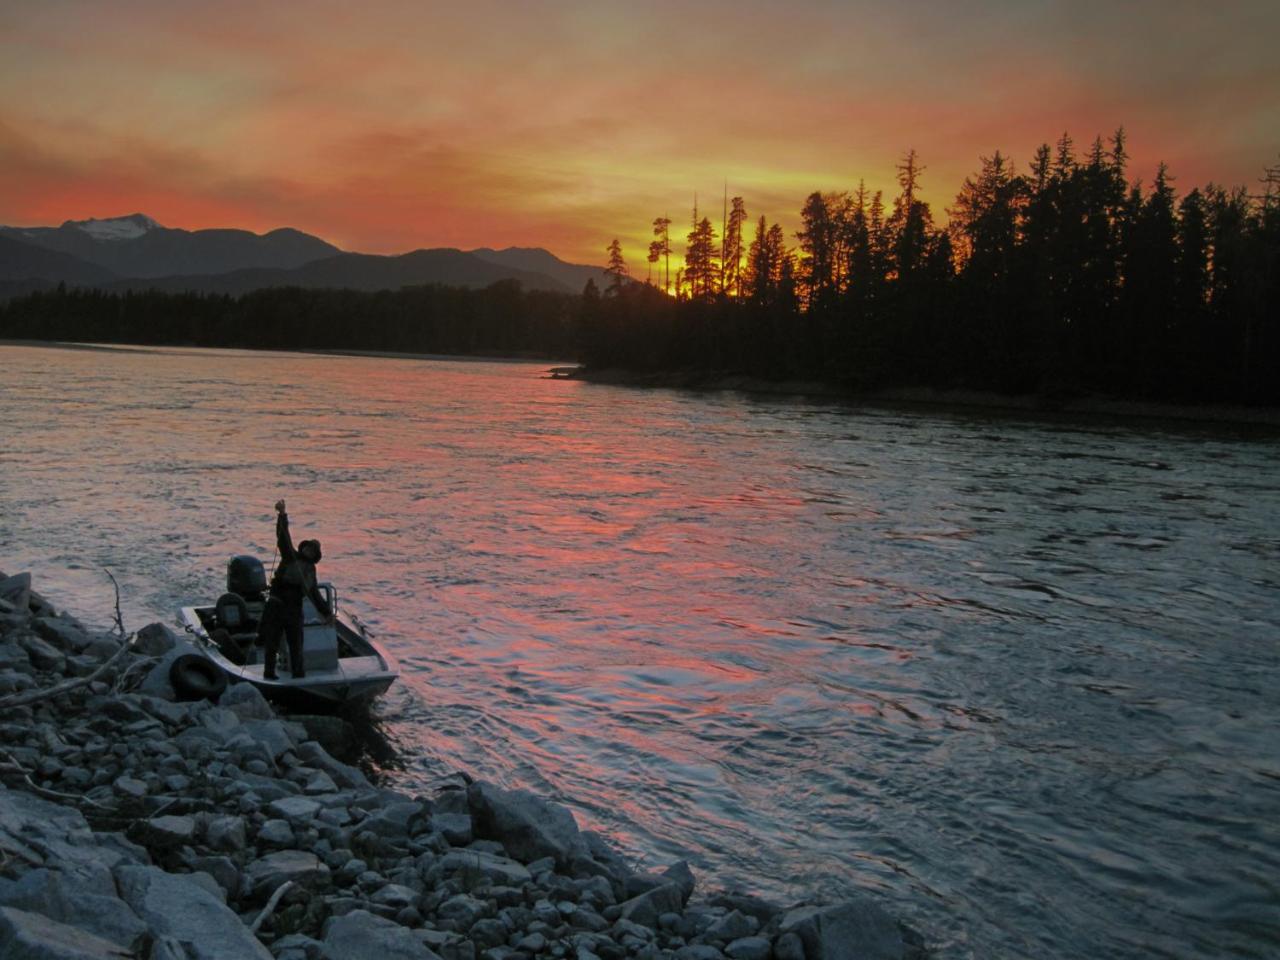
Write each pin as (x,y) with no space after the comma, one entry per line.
(617,268)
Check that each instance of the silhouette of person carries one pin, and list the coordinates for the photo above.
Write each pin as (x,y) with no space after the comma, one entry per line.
(294,578)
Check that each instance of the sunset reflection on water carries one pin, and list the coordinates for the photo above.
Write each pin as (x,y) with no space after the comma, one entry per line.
(1004,673)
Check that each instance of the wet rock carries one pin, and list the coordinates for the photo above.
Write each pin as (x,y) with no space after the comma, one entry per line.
(680,874)
(155,640)
(175,906)
(64,634)
(762,910)
(646,908)
(526,825)
(246,702)
(31,936)
(396,820)
(267,873)
(748,948)
(853,930)
(360,935)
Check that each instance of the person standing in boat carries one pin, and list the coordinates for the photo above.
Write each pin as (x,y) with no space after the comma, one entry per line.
(294,578)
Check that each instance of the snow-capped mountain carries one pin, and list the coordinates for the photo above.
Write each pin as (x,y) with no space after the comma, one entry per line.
(117,228)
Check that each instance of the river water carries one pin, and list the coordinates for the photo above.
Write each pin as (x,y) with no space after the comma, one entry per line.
(1017,679)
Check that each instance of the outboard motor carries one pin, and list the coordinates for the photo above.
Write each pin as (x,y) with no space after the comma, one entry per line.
(246,576)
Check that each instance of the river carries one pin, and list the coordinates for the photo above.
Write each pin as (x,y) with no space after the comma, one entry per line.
(1018,679)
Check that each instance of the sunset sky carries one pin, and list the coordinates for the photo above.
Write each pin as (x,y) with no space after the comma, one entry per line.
(386,126)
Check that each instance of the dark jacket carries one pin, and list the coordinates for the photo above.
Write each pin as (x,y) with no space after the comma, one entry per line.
(295,576)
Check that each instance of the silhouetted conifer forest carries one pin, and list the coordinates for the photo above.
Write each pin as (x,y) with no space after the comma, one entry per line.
(1066,278)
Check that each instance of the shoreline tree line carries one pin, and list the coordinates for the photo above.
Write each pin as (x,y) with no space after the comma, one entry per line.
(1064,278)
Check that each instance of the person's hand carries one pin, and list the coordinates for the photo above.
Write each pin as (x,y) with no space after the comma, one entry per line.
(280,506)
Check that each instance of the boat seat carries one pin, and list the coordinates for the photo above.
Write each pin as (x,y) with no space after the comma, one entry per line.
(232,613)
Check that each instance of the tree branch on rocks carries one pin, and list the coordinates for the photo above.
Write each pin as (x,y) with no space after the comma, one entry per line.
(271,906)
(119,616)
(58,689)
(14,765)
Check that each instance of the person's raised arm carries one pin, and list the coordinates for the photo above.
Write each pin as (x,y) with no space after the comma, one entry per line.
(283,541)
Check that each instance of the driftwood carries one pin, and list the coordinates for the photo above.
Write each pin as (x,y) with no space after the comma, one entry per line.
(58,689)
(271,906)
(15,766)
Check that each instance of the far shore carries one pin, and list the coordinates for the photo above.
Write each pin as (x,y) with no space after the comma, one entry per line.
(933,398)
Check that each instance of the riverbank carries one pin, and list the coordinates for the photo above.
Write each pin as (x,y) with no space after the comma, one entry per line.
(931,398)
(135,825)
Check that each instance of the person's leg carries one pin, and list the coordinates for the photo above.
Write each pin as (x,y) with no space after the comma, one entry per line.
(293,631)
(269,633)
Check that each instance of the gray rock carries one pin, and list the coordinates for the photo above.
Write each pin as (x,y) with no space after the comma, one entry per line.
(360,935)
(395,895)
(165,833)
(40,832)
(533,943)
(77,904)
(276,833)
(30,936)
(267,873)
(500,870)
(748,948)
(17,591)
(155,640)
(346,777)
(226,833)
(319,784)
(294,809)
(788,946)
(130,787)
(66,635)
(13,657)
(43,656)
(854,930)
(732,926)
(273,735)
(223,870)
(646,908)
(679,873)
(461,912)
(455,827)
(395,820)
(488,933)
(175,906)
(526,825)
(699,951)
(296,946)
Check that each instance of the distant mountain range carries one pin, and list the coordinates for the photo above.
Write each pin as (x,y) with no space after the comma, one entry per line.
(136,253)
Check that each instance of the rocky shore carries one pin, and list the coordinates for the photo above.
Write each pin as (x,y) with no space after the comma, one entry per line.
(133,825)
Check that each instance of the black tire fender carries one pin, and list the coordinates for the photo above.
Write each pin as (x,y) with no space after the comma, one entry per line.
(196,677)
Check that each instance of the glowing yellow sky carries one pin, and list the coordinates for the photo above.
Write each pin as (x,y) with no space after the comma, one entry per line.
(383,127)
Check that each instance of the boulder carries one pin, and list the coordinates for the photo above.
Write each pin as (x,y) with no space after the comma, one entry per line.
(276,833)
(269,872)
(66,635)
(164,833)
(43,655)
(294,809)
(395,820)
(680,874)
(646,908)
(499,870)
(748,948)
(345,776)
(732,926)
(223,871)
(175,906)
(41,833)
(526,825)
(226,833)
(154,640)
(77,904)
(360,935)
(30,936)
(272,734)
(854,930)
(246,702)
(13,657)
(17,590)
